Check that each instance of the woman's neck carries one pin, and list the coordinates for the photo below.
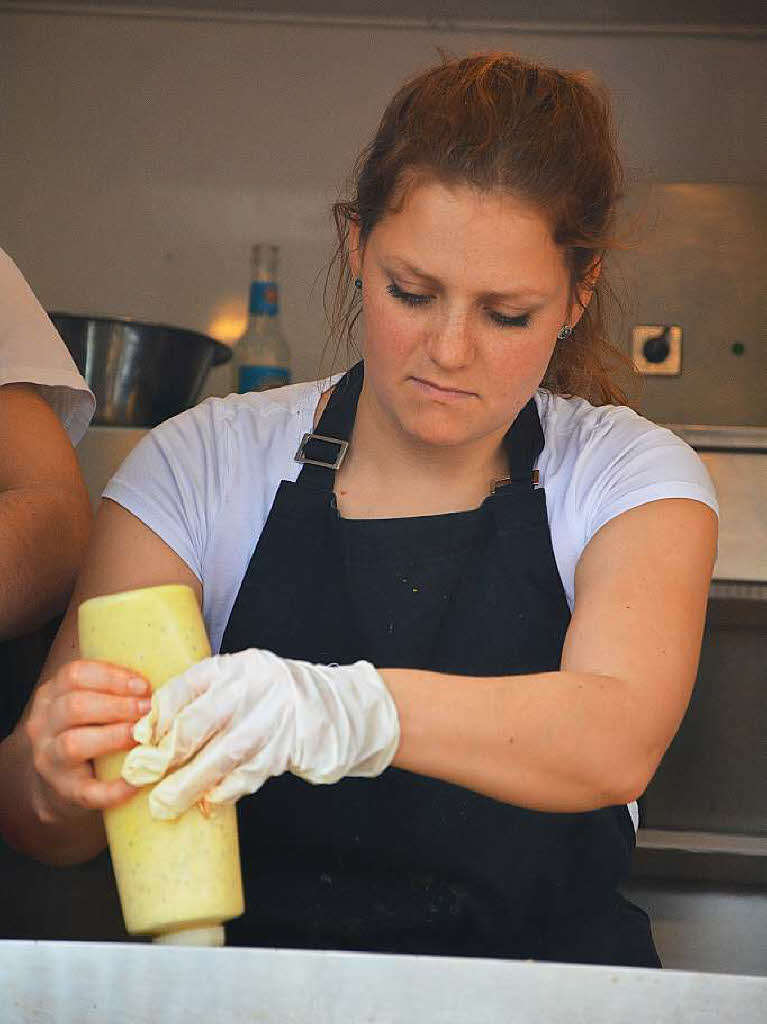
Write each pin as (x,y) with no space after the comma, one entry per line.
(389,474)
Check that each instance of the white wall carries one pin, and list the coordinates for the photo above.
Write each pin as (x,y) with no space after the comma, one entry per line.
(139,158)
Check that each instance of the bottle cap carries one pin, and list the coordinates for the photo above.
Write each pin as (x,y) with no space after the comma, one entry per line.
(213,935)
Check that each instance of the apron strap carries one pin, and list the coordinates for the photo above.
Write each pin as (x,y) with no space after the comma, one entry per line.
(322,451)
(523,442)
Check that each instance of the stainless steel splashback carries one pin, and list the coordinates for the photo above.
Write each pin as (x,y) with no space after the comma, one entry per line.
(697,259)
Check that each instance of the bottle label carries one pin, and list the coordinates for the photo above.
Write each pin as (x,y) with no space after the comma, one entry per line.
(261,378)
(263,298)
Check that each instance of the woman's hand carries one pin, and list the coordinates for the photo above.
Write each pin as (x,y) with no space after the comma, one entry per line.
(238,719)
(85,710)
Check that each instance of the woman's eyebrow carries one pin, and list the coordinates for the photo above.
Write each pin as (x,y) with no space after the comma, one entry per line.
(515,293)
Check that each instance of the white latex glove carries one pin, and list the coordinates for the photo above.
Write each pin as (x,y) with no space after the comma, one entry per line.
(238,719)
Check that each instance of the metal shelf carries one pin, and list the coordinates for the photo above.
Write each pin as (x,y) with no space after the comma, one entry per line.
(702,857)
(737,590)
(737,604)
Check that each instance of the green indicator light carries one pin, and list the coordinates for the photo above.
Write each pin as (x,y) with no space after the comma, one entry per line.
(737,348)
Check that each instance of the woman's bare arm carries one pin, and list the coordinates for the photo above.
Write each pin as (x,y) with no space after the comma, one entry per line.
(593,733)
(97,703)
(45,514)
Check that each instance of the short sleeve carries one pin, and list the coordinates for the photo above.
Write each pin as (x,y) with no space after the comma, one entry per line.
(601,461)
(175,480)
(32,352)
(634,461)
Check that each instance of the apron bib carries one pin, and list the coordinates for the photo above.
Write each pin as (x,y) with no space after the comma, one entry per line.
(405,863)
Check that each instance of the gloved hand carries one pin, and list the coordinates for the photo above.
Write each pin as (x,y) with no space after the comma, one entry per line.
(238,719)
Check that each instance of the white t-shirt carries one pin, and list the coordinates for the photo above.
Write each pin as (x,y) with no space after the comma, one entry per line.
(204,481)
(32,352)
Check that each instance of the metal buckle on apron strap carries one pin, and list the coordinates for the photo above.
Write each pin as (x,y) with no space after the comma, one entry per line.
(321,441)
(500,484)
(317,455)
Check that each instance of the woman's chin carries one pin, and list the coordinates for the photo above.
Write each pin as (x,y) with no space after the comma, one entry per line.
(433,432)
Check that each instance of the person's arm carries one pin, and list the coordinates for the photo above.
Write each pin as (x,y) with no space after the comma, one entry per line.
(45,514)
(81,709)
(593,733)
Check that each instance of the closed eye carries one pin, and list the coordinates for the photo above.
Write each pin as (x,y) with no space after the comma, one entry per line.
(510,321)
(409,298)
(414,299)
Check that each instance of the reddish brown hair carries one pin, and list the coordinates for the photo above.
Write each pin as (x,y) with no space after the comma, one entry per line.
(503,125)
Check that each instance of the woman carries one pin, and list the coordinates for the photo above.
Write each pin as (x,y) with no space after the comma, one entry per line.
(526,571)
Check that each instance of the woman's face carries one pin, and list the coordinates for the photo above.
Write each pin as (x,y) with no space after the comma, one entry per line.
(463,296)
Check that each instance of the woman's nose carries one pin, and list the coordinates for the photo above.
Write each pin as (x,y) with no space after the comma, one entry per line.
(450,343)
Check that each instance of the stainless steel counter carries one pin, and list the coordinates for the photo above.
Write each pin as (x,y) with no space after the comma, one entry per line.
(88,983)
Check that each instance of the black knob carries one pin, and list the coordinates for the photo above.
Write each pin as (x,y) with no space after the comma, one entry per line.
(656,349)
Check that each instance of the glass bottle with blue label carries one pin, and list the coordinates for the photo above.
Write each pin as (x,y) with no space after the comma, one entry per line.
(261,358)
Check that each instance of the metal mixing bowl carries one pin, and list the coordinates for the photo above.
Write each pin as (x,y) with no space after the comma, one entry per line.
(140,373)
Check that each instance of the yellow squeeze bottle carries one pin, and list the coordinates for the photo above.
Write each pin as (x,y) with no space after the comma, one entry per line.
(178,880)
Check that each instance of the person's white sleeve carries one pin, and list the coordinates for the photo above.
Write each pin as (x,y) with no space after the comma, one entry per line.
(31,352)
(175,480)
(631,461)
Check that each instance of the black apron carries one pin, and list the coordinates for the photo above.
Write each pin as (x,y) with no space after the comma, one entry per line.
(404,863)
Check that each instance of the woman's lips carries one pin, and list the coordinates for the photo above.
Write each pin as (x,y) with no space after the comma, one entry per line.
(437,391)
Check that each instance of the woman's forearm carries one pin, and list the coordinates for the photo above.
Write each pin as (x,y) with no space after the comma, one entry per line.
(554,741)
(69,836)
